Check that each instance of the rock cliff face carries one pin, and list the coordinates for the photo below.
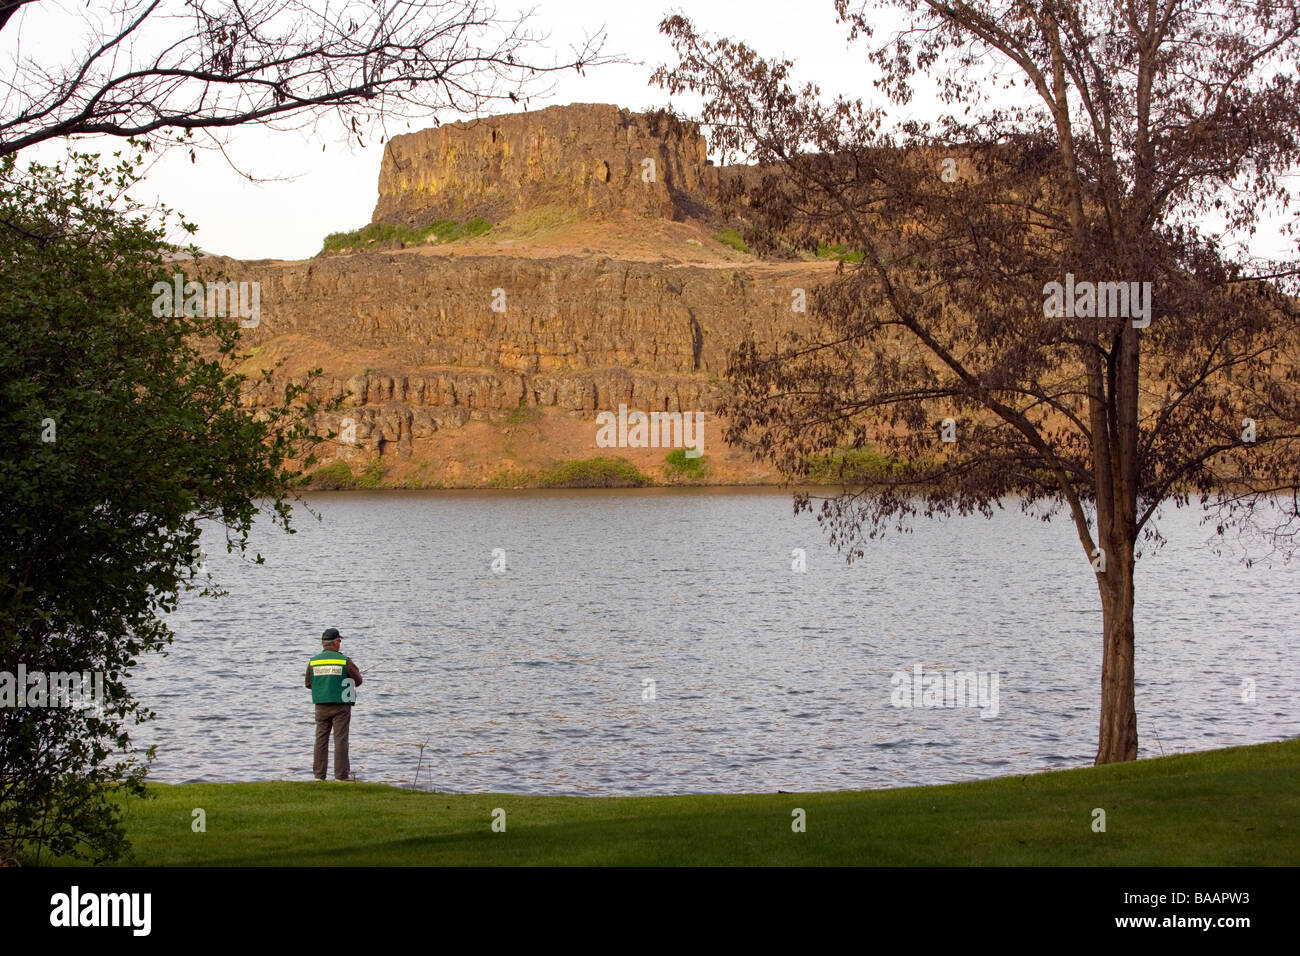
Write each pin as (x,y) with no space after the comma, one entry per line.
(418,344)
(597,159)
(463,362)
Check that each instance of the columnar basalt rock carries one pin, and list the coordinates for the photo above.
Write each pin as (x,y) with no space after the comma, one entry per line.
(596,159)
(436,352)
(573,333)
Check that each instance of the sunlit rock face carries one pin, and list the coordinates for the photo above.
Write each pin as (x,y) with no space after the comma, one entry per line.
(596,159)
(456,361)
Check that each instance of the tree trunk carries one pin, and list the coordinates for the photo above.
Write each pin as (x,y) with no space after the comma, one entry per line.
(1118,739)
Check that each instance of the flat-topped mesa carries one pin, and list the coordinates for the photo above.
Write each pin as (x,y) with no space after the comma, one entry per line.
(596,160)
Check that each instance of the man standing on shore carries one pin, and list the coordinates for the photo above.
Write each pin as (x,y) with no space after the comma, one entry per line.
(333,679)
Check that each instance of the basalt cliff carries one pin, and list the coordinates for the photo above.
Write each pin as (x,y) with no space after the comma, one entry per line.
(603,281)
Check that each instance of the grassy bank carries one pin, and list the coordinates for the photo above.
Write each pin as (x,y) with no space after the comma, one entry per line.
(1227,807)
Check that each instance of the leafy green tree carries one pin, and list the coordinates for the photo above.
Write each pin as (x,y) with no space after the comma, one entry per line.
(120,431)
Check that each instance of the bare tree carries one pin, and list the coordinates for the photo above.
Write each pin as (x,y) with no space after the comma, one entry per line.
(152,66)
(1046,307)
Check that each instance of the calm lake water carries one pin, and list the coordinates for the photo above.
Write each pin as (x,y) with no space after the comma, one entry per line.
(533,679)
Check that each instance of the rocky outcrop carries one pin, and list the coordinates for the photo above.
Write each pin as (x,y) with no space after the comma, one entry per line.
(456,364)
(449,337)
(529,317)
(596,159)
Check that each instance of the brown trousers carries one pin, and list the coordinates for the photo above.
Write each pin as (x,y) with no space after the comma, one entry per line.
(336,717)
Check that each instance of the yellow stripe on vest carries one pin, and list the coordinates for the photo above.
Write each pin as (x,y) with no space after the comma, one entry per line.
(314,663)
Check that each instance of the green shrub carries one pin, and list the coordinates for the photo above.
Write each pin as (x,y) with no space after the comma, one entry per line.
(729,237)
(371,475)
(448,230)
(333,477)
(594,473)
(513,478)
(851,465)
(837,251)
(375,232)
(678,465)
(476,227)
(523,415)
(444,230)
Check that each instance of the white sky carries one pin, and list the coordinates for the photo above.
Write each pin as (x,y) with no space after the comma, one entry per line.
(319,192)
(316,192)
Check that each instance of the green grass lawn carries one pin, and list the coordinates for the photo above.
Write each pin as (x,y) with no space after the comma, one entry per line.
(1227,807)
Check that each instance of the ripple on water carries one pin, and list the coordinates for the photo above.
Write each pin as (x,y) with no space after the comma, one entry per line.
(532,681)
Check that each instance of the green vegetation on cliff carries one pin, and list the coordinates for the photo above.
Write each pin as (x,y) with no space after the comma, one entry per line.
(443,230)
(851,466)
(837,251)
(582,473)
(683,469)
(338,476)
(730,237)
(595,473)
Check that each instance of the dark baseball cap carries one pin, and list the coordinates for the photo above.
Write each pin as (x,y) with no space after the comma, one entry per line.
(331,634)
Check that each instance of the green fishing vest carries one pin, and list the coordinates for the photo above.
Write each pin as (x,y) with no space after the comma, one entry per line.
(329,669)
